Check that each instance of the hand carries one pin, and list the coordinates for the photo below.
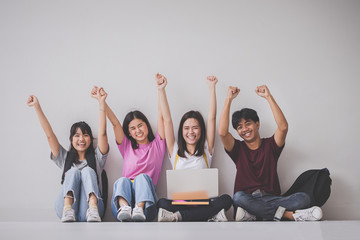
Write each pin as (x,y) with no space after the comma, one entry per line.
(232,92)
(101,95)
(161,81)
(94,91)
(33,101)
(211,80)
(262,91)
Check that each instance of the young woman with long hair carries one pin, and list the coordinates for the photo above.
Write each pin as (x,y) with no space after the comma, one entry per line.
(80,197)
(134,194)
(193,150)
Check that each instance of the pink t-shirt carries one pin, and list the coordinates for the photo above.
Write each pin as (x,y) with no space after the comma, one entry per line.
(148,158)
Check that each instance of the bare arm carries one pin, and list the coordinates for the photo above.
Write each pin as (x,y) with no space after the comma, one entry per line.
(52,139)
(160,121)
(103,144)
(282,125)
(118,130)
(211,122)
(225,136)
(161,82)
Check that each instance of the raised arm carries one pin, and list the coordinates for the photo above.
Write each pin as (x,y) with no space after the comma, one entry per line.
(118,130)
(52,139)
(282,125)
(161,83)
(103,144)
(211,121)
(225,136)
(160,121)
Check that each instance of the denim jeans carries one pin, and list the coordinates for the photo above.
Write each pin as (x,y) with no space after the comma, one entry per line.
(81,183)
(197,213)
(141,190)
(266,206)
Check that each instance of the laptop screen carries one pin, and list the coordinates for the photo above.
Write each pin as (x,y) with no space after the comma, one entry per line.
(190,184)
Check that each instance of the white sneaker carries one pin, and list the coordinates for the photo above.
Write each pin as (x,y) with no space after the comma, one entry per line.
(68,215)
(242,215)
(219,217)
(309,214)
(124,214)
(92,215)
(138,215)
(166,216)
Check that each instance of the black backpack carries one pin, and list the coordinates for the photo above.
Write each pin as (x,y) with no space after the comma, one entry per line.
(104,181)
(316,183)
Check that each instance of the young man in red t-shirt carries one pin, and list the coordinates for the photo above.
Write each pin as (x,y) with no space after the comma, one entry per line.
(257,189)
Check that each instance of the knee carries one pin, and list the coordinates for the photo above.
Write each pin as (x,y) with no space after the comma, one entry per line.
(123,181)
(88,171)
(240,198)
(227,201)
(73,172)
(142,177)
(301,200)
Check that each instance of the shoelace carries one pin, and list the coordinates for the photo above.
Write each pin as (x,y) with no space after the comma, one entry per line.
(93,212)
(138,210)
(67,213)
(306,215)
(124,208)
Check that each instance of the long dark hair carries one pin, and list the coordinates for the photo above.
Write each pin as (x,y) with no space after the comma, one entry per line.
(131,116)
(199,149)
(73,156)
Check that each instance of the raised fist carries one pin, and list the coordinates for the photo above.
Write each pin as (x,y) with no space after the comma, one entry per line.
(232,92)
(161,81)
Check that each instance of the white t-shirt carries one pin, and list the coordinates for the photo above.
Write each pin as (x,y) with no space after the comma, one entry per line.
(191,162)
(100,158)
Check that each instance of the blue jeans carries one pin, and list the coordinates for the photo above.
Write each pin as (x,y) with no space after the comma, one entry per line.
(266,206)
(141,190)
(81,183)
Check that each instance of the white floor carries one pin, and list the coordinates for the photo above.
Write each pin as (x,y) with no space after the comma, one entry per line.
(171,231)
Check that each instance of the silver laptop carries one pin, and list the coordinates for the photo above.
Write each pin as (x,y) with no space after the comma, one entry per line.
(190,184)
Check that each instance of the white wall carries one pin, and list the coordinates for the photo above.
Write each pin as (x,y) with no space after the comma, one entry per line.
(307,52)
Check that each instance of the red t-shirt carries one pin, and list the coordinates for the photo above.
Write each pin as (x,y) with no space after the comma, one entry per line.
(256,169)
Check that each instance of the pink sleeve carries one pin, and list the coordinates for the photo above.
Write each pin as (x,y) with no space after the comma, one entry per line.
(161,144)
(124,145)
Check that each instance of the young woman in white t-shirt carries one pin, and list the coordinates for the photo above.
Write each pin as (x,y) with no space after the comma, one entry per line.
(194,150)
(80,198)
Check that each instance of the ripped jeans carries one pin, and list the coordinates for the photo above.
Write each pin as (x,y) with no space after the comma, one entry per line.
(141,190)
(81,183)
(266,206)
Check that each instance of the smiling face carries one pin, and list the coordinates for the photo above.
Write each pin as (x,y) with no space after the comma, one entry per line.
(81,141)
(138,130)
(248,130)
(191,131)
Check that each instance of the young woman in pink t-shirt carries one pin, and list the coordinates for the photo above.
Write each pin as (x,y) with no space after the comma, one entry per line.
(134,197)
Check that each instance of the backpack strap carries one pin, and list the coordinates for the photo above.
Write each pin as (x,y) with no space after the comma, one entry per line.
(177,158)
(206,160)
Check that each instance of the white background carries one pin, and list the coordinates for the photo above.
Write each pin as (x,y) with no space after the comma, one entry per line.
(307,52)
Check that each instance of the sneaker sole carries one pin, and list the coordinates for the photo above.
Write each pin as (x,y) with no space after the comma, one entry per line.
(138,219)
(93,220)
(318,214)
(124,218)
(67,220)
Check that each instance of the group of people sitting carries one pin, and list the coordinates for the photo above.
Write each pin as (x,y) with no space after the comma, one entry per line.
(257,194)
